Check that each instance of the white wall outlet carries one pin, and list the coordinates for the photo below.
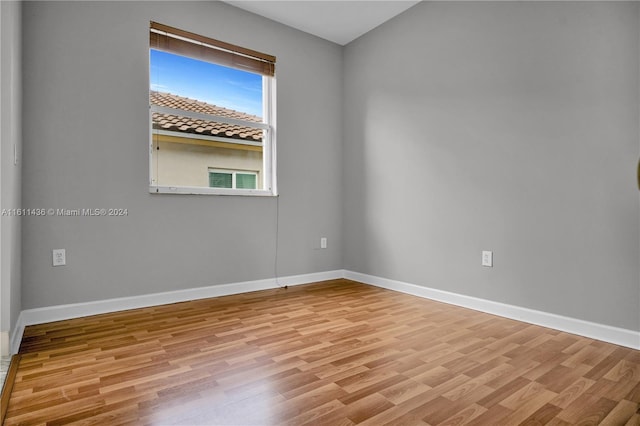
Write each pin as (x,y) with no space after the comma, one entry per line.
(487,258)
(323,242)
(59,257)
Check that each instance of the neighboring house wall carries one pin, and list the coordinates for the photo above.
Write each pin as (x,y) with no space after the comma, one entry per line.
(188,164)
(504,126)
(86,144)
(185,149)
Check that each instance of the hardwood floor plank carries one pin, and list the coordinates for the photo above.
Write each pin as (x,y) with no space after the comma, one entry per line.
(633,421)
(595,412)
(403,391)
(441,409)
(559,377)
(542,416)
(503,392)
(621,413)
(572,392)
(464,416)
(493,416)
(526,401)
(7,385)
(330,353)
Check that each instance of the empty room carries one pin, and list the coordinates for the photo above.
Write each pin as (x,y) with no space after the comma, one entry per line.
(320,212)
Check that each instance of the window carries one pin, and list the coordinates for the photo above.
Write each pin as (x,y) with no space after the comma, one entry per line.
(232,179)
(212,116)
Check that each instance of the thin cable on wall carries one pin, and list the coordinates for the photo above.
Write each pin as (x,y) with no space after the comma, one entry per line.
(275,257)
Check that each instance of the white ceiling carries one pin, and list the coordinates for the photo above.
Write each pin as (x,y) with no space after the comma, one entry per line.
(333,20)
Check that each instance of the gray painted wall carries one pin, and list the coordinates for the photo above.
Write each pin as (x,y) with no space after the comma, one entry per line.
(507,126)
(511,127)
(86,146)
(10,128)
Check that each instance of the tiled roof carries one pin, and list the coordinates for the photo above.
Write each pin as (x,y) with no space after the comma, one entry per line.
(177,123)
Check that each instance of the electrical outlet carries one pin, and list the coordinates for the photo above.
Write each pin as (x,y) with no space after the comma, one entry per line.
(323,242)
(59,257)
(487,258)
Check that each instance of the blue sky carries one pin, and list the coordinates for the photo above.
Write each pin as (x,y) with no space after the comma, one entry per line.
(211,83)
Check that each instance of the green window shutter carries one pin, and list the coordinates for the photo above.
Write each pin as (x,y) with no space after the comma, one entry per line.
(220,180)
(245,181)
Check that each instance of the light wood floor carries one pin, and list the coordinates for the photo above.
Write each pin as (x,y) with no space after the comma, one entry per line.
(331,353)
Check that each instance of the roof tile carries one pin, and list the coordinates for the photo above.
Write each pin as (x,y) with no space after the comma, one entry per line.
(177,123)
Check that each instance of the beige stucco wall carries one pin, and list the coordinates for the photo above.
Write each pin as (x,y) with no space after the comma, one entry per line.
(179,164)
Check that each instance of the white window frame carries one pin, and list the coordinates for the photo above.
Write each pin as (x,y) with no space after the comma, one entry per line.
(268,146)
(233,173)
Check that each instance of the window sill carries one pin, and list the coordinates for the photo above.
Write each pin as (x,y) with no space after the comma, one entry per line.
(210,191)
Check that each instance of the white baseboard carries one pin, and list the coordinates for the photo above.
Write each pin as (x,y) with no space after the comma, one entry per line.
(606,333)
(16,336)
(77,310)
(615,335)
(4,343)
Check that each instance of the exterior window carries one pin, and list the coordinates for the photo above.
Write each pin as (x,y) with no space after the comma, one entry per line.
(212,116)
(233,179)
